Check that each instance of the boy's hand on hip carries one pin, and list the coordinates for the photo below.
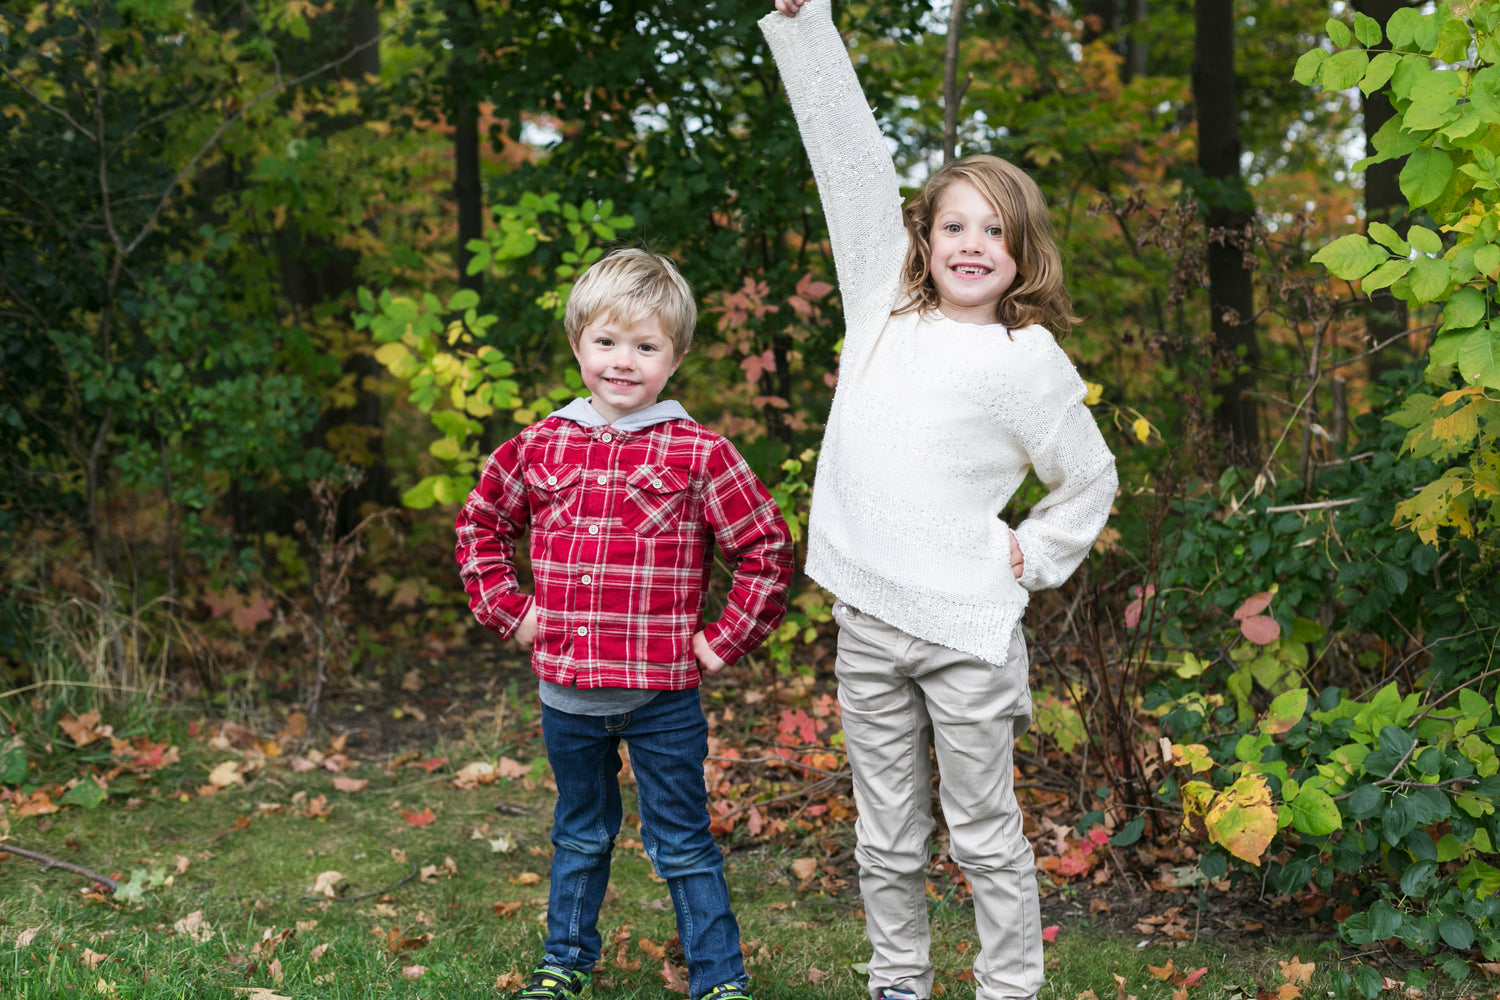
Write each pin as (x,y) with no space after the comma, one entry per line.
(707,658)
(1017,557)
(526,631)
(789,7)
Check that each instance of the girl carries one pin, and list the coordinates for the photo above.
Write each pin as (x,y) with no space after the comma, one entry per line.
(950,386)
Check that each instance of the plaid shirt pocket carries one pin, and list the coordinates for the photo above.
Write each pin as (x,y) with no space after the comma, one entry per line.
(656,498)
(554,495)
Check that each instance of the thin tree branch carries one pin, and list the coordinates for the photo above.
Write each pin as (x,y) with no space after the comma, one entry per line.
(49,862)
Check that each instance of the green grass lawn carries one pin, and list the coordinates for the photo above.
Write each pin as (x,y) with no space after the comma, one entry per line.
(226,905)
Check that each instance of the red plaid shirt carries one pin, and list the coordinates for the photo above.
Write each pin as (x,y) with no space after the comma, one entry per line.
(623,525)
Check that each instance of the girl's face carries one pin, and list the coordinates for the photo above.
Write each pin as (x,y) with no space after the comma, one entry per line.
(971,268)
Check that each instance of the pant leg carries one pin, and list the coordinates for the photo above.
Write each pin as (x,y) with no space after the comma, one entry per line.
(977,709)
(886,734)
(668,740)
(585,759)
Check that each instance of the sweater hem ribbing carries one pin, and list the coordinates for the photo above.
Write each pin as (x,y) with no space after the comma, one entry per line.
(980,627)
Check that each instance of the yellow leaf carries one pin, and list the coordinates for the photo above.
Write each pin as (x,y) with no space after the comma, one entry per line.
(1242,819)
(1096,392)
(1297,971)
(1142,429)
(226,774)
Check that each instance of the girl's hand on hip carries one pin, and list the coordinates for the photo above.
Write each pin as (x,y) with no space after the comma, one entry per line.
(1017,557)
(708,660)
(789,7)
(526,631)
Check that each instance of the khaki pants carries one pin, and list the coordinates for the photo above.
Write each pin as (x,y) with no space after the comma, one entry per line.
(898,694)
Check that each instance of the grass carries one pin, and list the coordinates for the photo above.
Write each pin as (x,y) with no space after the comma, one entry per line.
(248,857)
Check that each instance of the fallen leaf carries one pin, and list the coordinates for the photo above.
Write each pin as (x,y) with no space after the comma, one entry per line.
(344,784)
(512,768)
(85,729)
(24,939)
(413,971)
(195,927)
(1191,979)
(1290,991)
(1297,971)
(317,952)
(509,982)
(324,883)
(258,993)
(419,819)
(816,975)
(805,868)
(526,878)
(92,958)
(1049,934)
(226,774)
(672,977)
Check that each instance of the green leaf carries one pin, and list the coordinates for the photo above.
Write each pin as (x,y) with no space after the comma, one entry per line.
(464,298)
(1479,356)
(1345,69)
(1402,27)
(1425,239)
(1351,256)
(1389,238)
(1414,879)
(1425,175)
(1314,812)
(1338,32)
(1366,801)
(422,495)
(12,762)
(398,359)
(1486,876)
(1285,712)
(1384,276)
(1465,309)
(1430,278)
(1453,41)
(1457,932)
(1129,833)
(1367,30)
(1308,64)
(88,793)
(445,448)
(1487,260)
(1379,73)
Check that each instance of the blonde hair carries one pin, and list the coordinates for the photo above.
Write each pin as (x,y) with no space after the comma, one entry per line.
(627,286)
(1038,294)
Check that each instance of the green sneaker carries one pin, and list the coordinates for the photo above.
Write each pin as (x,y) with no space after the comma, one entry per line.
(548,982)
(727,991)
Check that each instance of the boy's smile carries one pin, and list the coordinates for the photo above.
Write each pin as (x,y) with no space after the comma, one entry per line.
(624,367)
(971,267)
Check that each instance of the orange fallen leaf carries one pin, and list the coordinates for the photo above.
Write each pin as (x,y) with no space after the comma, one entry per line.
(805,868)
(526,878)
(1297,971)
(419,819)
(1162,972)
(507,909)
(509,982)
(1191,979)
(85,729)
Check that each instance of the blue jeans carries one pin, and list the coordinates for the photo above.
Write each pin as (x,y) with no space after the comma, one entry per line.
(668,739)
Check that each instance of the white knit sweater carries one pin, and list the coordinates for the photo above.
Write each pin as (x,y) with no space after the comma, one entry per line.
(934,422)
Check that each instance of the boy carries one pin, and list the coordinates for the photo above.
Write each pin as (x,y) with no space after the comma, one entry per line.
(625,498)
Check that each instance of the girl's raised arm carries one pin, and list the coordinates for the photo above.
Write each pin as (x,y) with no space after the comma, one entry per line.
(856,179)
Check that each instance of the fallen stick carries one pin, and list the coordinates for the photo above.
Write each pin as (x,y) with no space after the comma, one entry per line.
(50,862)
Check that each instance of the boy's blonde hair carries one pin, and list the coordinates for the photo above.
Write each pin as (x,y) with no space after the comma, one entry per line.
(627,286)
(1037,295)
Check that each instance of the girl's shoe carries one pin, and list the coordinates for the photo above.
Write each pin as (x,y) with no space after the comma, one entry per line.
(891,993)
(548,982)
(727,991)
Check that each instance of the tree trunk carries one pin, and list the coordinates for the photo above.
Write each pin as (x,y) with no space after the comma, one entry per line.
(1229,211)
(1385,315)
(953,91)
(468,190)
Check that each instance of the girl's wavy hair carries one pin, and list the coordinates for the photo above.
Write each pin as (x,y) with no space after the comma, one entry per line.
(1038,294)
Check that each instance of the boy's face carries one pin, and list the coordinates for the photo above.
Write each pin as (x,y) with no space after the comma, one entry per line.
(971,267)
(624,367)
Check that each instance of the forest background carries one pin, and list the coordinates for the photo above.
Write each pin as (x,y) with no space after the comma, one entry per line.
(276,276)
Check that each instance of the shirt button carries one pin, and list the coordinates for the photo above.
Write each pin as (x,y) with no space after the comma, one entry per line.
(551,480)
(656,484)
(603,480)
(583,630)
(586,578)
(593,529)
(606,438)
